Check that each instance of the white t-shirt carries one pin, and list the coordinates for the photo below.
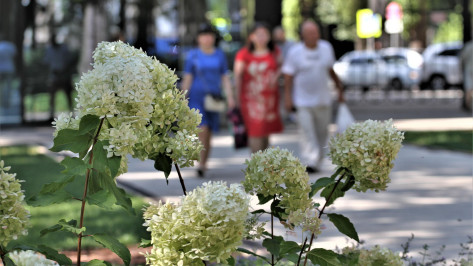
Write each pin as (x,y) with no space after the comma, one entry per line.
(310,68)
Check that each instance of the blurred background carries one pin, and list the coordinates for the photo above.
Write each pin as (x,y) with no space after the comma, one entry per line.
(404,49)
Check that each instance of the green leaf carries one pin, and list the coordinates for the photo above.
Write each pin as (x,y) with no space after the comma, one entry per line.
(98,263)
(102,163)
(7,261)
(103,199)
(259,211)
(289,247)
(74,166)
(348,183)
(273,245)
(162,162)
(320,183)
(99,182)
(115,246)
(344,225)
(69,139)
(276,210)
(339,171)
(88,125)
(77,141)
(145,243)
(264,199)
(52,254)
(337,193)
(49,199)
(62,225)
(323,257)
(246,251)
(114,165)
(293,257)
(231,261)
(54,187)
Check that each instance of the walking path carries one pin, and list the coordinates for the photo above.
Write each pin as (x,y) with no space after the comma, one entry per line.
(430,195)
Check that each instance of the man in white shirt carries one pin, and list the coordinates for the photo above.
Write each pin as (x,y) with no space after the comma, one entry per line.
(306,71)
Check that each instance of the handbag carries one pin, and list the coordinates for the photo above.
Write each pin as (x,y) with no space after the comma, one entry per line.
(214,103)
(344,118)
(240,136)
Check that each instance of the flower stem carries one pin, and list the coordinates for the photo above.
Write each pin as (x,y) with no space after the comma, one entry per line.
(181,179)
(302,250)
(84,196)
(320,215)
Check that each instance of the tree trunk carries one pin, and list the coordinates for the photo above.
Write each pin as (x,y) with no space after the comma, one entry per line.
(95,26)
(144,22)
(467,31)
(269,11)
(191,16)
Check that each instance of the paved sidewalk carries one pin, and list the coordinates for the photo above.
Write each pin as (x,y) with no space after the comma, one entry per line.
(430,195)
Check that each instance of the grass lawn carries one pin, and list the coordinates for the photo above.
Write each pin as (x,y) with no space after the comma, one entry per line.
(38,169)
(448,140)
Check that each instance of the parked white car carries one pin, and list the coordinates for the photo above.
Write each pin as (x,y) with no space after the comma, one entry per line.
(363,69)
(442,66)
(403,67)
(391,68)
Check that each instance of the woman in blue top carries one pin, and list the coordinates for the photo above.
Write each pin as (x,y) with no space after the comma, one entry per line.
(206,71)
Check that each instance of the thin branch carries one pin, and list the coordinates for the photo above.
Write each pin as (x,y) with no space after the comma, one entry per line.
(321,212)
(302,250)
(84,196)
(181,179)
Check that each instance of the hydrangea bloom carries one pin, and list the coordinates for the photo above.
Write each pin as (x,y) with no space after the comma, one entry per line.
(64,121)
(208,225)
(146,114)
(307,219)
(367,149)
(277,172)
(29,257)
(375,256)
(13,215)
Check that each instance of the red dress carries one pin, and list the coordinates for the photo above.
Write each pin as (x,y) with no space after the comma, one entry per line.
(258,97)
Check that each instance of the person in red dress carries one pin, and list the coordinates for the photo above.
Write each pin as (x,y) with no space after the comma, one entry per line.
(256,72)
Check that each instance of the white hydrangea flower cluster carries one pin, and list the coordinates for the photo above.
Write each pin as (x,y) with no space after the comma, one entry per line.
(276,171)
(64,121)
(14,217)
(307,219)
(29,257)
(375,256)
(367,150)
(209,225)
(144,110)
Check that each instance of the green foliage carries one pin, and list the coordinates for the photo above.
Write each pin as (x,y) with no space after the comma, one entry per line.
(449,140)
(162,162)
(343,14)
(451,29)
(98,263)
(273,245)
(115,246)
(38,170)
(77,141)
(323,257)
(319,184)
(246,251)
(291,18)
(344,225)
(62,225)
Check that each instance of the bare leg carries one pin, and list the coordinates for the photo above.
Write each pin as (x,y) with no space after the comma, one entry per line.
(258,143)
(204,137)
